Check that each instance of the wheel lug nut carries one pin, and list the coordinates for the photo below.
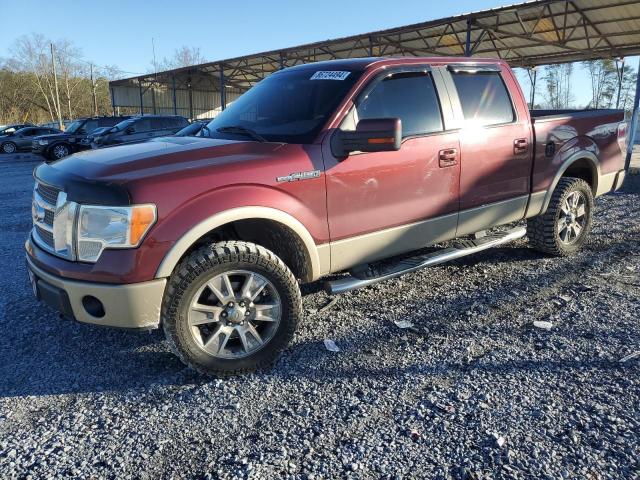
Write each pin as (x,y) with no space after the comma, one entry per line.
(246,314)
(224,314)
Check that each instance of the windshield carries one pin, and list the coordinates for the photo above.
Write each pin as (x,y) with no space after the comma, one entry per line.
(289,106)
(74,126)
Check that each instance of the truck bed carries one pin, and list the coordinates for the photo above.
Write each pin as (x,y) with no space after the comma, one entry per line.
(593,130)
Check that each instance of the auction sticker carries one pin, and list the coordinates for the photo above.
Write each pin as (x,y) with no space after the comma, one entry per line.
(330,75)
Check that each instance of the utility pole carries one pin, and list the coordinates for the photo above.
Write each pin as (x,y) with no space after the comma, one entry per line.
(93,90)
(55,81)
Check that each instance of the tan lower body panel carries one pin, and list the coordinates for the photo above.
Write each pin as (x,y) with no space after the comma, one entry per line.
(393,241)
(136,305)
(486,216)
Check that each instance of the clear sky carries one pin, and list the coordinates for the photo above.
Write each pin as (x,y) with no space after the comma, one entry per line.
(119,32)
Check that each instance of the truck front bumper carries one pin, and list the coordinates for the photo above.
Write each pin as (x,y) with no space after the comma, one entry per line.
(135,305)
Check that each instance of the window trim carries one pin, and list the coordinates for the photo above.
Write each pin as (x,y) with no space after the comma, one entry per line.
(474,70)
(381,76)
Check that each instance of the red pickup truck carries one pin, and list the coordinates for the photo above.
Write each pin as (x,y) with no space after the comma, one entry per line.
(320,168)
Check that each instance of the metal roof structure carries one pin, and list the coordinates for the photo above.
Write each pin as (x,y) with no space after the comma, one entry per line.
(538,32)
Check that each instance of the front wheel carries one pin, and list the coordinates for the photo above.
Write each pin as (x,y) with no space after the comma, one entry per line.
(563,229)
(60,151)
(230,308)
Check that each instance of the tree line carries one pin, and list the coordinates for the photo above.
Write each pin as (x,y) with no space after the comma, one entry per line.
(43,81)
(28,78)
(612,85)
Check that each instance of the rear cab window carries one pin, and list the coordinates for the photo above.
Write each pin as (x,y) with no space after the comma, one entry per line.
(484,97)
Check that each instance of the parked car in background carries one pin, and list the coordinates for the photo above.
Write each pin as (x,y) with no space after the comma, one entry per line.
(73,139)
(7,129)
(22,139)
(192,130)
(141,128)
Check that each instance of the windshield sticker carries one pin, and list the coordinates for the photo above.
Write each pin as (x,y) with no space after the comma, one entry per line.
(330,75)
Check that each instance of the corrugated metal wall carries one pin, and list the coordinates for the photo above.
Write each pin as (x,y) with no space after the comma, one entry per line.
(159,100)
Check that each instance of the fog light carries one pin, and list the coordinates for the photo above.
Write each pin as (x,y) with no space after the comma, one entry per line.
(93,306)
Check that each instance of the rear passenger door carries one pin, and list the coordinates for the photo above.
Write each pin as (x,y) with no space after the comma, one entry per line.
(495,146)
(384,203)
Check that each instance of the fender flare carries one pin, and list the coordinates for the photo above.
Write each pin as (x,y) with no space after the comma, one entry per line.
(581,155)
(183,244)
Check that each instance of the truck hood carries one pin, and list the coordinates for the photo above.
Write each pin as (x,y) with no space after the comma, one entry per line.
(160,157)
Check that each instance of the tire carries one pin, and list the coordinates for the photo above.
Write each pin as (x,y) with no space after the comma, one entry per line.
(9,147)
(58,151)
(218,346)
(553,232)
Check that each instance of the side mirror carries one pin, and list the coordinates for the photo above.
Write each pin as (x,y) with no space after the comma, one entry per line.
(370,135)
(129,130)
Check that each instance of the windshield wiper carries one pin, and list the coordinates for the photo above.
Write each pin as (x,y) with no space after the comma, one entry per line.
(242,131)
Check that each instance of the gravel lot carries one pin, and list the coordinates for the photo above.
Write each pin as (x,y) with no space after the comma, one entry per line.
(474,390)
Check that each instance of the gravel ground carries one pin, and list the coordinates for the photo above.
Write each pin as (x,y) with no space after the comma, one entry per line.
(473,390)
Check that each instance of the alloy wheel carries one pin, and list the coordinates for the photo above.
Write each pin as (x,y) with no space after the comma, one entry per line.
(572,218)
(234,314)
(60,151)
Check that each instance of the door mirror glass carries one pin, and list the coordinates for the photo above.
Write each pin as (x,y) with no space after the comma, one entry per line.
(370,135)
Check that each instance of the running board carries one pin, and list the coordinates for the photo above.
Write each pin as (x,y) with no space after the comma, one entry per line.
(370,274)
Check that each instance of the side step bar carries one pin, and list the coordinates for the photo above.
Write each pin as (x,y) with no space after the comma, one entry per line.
(372,275)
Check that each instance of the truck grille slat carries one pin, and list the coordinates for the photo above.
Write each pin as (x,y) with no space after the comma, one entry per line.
(45,237)
(48,193)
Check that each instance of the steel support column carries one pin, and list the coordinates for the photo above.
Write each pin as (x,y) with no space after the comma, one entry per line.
(467,48)
(141,103)
(281,61)
(620,72)
(175,103)
(370,46)
(113,102)
(634,119)
(223,93)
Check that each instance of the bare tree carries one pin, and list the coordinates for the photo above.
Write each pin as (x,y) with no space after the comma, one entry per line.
(184,56)
(602,74)
(27,91)
(557,80)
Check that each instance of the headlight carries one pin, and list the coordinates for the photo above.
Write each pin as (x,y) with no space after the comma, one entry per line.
(43,142)
(111,227)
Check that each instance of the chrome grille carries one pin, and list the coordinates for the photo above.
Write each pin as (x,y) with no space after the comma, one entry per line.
(48,193)
(53,220)
(46,237)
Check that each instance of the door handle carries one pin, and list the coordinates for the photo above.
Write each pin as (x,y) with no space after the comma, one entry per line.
(520,145)
(448,157)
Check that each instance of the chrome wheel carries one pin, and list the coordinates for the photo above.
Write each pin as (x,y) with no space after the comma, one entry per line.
(234,314)
(8,148)
(60,151)
(572,218)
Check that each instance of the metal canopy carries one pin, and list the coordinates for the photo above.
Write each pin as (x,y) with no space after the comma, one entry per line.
(534,33)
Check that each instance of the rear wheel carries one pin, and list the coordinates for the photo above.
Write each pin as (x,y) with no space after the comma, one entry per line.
(60,151)
(9,147)
(563,229)
(230,308)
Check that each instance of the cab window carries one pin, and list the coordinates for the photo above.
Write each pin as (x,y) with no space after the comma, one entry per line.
(484,98)
(409,96)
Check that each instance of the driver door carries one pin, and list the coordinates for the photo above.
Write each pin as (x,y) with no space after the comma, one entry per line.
(385,203)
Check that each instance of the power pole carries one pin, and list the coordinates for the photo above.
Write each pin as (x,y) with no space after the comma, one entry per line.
(55,81)
(93,90)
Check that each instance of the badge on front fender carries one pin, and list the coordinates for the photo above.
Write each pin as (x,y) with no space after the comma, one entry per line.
(295,176)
